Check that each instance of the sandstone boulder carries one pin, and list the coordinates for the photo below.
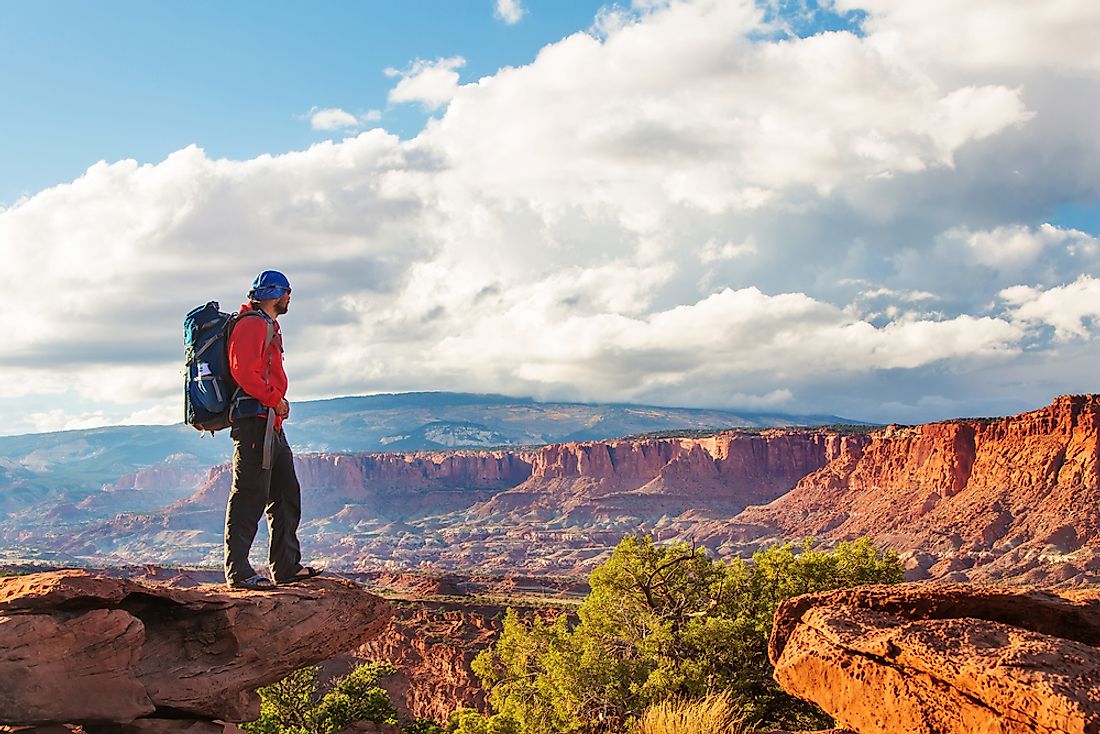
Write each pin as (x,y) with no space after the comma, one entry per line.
(944,659)
(76,647)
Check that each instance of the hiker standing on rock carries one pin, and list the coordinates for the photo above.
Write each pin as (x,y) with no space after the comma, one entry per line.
(263,465)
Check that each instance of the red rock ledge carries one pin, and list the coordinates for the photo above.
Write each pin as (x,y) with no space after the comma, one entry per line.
(79,648)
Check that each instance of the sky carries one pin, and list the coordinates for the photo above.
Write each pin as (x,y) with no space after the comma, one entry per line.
(881,210)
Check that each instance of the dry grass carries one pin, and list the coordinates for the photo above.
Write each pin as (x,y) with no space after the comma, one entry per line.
(711,715)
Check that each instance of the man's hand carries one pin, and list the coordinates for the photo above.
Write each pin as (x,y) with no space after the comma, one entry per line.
(282,409)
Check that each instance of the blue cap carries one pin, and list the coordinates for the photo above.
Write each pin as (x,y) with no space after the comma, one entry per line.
(269,285)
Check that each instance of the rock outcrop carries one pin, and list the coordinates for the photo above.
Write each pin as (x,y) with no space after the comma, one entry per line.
(81,648)
(941,659)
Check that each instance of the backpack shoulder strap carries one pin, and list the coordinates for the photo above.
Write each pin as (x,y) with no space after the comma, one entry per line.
(270,328)
(267,345)
(267,339)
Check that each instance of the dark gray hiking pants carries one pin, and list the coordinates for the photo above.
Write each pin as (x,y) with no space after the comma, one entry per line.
(253,494)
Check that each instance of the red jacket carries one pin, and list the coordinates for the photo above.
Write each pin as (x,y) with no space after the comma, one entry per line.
(248,362)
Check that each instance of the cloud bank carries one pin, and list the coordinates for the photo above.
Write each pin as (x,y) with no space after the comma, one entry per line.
(681,206)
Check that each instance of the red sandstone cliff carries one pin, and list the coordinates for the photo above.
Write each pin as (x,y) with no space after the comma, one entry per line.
(979,499)
(179,470)
(147,488)
(390,485)
(432,646)
(651,478)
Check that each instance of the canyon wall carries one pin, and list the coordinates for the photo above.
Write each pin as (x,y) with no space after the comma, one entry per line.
(650,478)
(975,499)
(432,645)
(390,485)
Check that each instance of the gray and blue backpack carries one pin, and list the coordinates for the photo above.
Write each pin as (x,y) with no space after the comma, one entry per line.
(210,391)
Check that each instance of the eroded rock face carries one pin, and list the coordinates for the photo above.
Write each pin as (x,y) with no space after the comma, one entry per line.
(645,479)
(392,485)
(944,659)
(80,648)
(433,644)
(978,500)
(486,509)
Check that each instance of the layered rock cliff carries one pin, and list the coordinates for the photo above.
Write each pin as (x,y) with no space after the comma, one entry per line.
(147,488)
(647,479)
(977,499)
(559,508)
(432,645)
(389,485)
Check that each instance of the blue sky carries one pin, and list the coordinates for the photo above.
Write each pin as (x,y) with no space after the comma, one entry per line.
(115,80)
(880,210)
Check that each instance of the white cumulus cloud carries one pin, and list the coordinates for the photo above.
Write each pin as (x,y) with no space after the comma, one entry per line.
(332,118)
(1071,309)
(510,11)
(988,34)
(431,83)
(1015,248)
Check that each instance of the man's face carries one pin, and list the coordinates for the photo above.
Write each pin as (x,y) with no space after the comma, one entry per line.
(283,304)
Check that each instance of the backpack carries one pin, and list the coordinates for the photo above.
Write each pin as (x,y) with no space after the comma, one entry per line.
(209,389)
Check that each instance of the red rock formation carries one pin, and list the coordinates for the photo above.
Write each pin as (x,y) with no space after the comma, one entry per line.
(978,499)
(944,660)
(649,478)
(179,470)
(391,485)
(432,646)
(558,509)
(147,488)
(81,648)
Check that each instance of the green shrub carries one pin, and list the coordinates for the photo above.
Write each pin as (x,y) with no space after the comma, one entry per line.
(469,721)
(663,622)
(295,705)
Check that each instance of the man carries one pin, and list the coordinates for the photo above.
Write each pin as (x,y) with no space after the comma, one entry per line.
(263,466)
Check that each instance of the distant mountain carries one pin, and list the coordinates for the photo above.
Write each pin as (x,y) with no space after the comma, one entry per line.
(85,459)
(440,420)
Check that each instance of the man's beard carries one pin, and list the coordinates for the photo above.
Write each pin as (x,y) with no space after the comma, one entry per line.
(282,305)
